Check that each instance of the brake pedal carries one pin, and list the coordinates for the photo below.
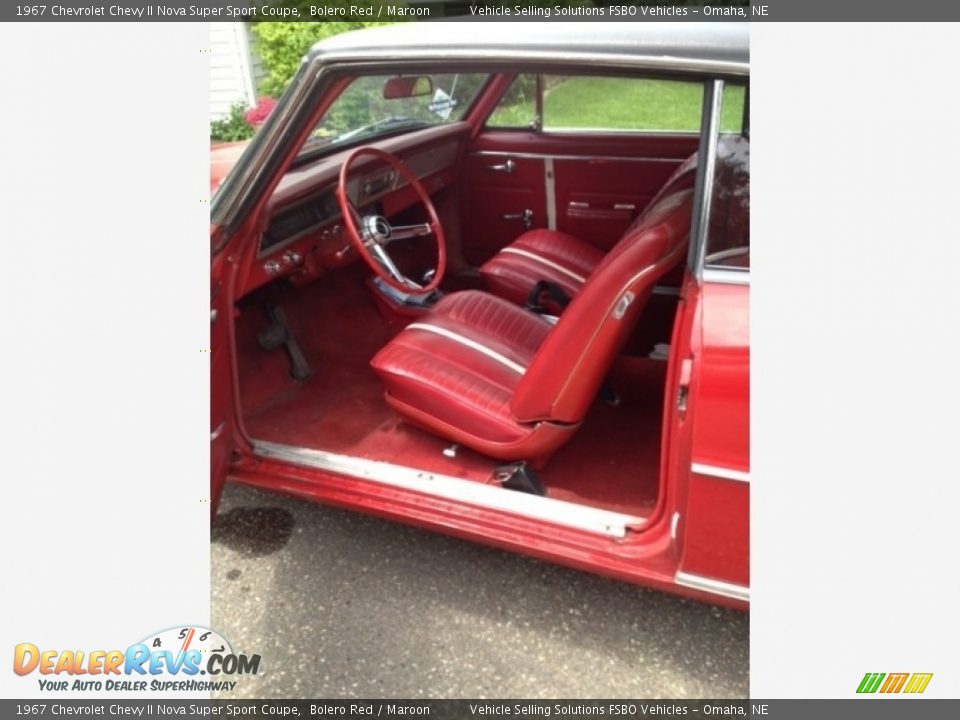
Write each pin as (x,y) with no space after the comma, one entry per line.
(278,334)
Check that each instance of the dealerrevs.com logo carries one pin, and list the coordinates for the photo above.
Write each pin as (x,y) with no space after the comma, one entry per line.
(181,659)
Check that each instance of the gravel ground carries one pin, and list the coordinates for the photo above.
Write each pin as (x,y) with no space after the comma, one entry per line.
(343,605)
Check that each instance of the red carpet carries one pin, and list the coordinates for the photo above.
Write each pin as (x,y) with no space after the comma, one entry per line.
(612,462)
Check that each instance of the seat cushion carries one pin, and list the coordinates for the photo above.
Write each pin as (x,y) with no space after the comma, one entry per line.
(455,371)
(540,255)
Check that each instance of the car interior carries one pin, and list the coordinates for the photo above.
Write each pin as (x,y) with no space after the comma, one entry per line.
(461,284)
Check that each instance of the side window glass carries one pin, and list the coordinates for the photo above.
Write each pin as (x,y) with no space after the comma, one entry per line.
(731,108)
(579,103)
(518,106)
(728,238)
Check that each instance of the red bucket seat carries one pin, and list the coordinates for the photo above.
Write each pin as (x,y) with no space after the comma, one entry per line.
(492,376)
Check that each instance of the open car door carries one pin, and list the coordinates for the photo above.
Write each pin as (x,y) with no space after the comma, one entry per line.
(710,412)
(221,384)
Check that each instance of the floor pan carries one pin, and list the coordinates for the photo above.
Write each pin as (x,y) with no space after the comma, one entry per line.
(611,463)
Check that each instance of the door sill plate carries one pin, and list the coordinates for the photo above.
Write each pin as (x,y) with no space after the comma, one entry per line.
(491,497)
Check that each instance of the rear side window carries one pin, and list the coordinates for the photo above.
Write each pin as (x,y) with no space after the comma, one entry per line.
(580,104)
(616,103)
(728,232)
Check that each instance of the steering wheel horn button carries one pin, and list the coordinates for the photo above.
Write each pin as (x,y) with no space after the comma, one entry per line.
(377,229)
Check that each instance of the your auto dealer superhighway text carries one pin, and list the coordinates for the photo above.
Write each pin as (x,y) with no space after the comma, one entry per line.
(164,11)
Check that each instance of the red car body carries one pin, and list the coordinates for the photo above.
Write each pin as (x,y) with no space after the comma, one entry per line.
(694,539)
(223,156)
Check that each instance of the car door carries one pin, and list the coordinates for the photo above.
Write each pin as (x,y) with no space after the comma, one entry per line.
(567,153)
(709,409)
(714,391)
(221,384)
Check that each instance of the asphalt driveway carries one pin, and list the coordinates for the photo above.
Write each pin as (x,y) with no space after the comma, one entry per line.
(342,605)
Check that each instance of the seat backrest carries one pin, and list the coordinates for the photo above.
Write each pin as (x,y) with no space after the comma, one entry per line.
(683,178)
(565,375)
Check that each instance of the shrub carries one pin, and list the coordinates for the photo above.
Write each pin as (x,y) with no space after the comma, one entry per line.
(281,46)
(258,115)
(233,127)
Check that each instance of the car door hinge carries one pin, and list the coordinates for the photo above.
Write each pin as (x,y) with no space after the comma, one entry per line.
(683,384)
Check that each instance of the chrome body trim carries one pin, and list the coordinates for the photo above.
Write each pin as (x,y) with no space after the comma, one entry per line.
(582,158)
(715,258)
(491,497)
(726,276)
(720,472)
(472,344)
(549,181)
(543,261)
(712,93)
(712,586)
(218,431)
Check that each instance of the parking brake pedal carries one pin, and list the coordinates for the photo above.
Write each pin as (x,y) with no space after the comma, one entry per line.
(520,476)
(278,333)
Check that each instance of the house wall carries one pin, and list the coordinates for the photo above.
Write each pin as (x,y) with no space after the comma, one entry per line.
(234,69)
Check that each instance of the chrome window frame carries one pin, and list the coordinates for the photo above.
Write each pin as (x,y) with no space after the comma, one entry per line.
(706,163)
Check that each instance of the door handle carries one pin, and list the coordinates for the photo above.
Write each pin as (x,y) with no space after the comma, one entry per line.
(507,167)
(526,216)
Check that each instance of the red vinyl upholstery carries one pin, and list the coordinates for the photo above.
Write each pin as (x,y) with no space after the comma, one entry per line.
(499,379)
(455,373)
(561,258)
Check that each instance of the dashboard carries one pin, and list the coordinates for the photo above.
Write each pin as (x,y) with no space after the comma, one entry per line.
(303,237)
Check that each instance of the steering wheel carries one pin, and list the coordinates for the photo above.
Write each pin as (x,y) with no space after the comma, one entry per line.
(372,233)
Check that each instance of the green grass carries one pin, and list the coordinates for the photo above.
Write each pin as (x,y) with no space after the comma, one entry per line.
(623,104)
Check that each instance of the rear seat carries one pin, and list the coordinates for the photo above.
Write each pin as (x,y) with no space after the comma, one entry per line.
(561,259)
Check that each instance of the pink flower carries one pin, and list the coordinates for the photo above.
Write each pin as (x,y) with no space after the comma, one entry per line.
(258,115)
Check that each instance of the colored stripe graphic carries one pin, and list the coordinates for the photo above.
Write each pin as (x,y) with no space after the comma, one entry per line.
(894,682)
(918,682)
(870,682)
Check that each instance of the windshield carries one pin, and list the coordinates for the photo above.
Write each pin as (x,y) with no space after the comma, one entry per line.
(361,112)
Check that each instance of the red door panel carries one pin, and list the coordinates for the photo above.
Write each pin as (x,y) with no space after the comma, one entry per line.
(598,198)
(491,194)
(599,182)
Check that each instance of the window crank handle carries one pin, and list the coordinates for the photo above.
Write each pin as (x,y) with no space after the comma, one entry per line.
(526,216)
